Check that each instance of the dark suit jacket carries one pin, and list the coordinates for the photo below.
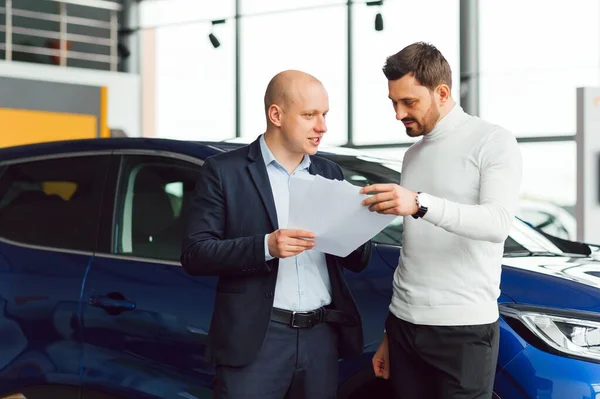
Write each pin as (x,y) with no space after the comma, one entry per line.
(231,211)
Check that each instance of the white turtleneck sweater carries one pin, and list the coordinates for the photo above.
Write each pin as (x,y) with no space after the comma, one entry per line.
(450,264)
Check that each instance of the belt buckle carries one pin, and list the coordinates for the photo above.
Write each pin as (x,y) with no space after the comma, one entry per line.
(293,321)
(315,314)
(300,325)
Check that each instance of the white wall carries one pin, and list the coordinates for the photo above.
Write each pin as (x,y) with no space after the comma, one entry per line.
(123,89)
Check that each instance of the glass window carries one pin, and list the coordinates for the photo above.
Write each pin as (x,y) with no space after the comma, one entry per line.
(540,109)
(549,187)
(374,118)
(264,6)
(549,172)
(152,203)
(530,71)
(195,82)
(53,203)
(165,12)
(312,41)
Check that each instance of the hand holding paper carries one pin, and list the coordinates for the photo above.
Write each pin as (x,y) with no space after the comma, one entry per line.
(390,199)
(333,210)
(284,243)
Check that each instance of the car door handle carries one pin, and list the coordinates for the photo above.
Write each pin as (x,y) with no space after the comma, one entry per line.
(113,303)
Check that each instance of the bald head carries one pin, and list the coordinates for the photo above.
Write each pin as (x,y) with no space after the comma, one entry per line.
(296,105)
(282,90)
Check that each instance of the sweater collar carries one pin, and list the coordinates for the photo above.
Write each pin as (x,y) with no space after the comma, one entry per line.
(452,120)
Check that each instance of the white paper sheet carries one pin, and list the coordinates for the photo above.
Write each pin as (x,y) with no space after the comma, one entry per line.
(333,210)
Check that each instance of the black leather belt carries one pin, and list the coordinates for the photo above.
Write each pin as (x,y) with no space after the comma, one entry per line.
(311,318)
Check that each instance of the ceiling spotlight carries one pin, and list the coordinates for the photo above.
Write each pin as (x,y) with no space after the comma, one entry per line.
(378,22)
(123,50)
(378,16)
(211,36)
(214,41)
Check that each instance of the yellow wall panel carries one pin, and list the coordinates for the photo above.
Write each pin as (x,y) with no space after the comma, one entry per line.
(19,126)
(104,130)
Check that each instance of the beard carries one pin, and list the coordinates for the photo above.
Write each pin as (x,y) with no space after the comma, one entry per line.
(425,125)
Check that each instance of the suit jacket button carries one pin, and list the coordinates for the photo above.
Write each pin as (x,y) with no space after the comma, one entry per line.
(269,295)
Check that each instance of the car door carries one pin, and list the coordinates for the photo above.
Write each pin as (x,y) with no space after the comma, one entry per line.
(49,217)
(145,319)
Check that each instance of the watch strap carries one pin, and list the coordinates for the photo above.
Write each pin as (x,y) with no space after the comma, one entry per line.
(422,209)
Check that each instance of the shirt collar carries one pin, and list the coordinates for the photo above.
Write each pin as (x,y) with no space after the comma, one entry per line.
(455,117)
(269,158)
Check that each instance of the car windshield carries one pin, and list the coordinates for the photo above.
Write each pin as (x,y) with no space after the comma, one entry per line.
(523,239)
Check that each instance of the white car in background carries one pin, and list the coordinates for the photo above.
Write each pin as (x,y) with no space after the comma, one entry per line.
(550,218)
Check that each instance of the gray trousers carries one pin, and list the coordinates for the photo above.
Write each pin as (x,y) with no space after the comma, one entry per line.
(293,363)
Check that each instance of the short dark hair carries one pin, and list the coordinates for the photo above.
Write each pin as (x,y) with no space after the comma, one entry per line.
(424,61)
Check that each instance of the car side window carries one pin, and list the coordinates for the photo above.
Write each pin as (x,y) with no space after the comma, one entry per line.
(53,202)
(152,203)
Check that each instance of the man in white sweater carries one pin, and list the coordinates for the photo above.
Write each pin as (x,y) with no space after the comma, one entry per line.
(458,195)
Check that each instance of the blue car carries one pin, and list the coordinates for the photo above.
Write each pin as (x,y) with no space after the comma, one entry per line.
(95,304)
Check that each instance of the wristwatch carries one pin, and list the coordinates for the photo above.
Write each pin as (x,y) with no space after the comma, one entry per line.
(422,204)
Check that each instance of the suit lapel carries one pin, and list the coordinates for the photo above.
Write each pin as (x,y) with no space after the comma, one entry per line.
(258,172)
(314,169)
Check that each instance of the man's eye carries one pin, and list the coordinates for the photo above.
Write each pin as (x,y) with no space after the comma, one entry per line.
(309,115)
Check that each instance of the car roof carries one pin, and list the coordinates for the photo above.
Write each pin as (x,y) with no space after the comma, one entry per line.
(197,149)
(192,148)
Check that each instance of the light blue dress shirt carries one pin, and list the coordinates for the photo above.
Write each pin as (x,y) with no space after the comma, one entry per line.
(302,280)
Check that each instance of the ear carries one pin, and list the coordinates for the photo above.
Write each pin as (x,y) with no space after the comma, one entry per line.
(444,93)
(275,115)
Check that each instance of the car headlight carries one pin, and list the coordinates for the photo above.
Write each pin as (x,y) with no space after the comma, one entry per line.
(572,333)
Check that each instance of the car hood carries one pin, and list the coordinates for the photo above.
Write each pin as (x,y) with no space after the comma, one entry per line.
(554,281)
(564,282)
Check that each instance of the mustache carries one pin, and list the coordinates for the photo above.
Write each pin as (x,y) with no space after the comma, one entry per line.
(406,120)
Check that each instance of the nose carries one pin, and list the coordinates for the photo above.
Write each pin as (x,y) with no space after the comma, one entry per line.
(321,126)
(400,113)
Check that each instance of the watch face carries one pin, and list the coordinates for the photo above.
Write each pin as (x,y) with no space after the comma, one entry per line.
(423,200)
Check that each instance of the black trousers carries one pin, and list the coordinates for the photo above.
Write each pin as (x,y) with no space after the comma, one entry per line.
(293,363)
(442,362)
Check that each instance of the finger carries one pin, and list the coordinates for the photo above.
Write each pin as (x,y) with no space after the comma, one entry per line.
(383,207)
(385,371)
(377,188)
(392,211)
(378,371)
(298,233)
(378,198)
(292,251)
(376,363)
(301,243)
